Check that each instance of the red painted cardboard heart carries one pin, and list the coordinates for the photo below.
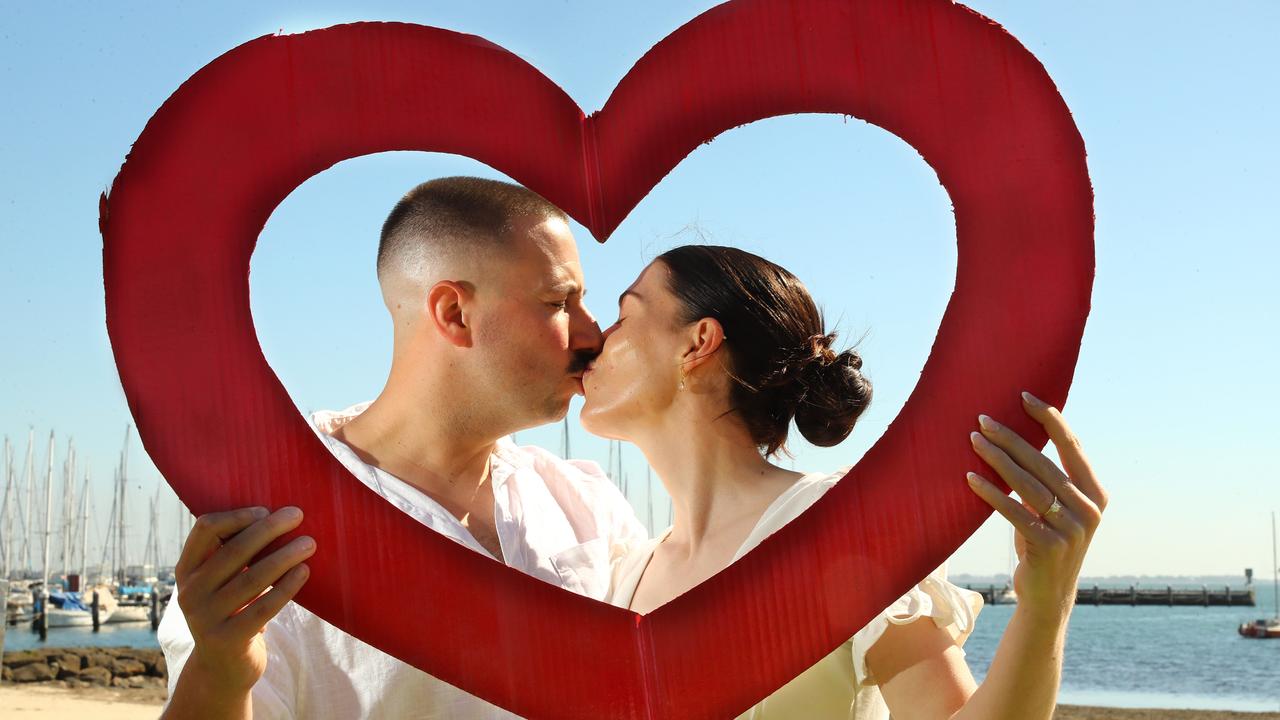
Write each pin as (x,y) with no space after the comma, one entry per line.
(185,211)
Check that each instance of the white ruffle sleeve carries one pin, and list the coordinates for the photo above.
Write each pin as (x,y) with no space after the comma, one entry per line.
(950,607)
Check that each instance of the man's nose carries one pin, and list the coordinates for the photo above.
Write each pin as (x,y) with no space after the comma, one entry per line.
(586,335)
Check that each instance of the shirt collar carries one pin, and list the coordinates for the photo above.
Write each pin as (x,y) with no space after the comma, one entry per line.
(505,461)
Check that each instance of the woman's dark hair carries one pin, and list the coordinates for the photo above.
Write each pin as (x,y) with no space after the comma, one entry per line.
(781,362)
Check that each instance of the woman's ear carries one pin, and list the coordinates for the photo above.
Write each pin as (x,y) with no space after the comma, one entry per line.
(704,338)
(446,307)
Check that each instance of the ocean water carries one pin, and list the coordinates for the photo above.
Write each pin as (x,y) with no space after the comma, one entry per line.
(136,635)
(1154,656)
(1117,656)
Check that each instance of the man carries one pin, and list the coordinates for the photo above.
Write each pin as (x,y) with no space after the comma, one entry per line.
(491,336)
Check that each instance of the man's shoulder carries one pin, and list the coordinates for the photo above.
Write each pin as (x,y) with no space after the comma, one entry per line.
(327,422)
(553,469)
(579,487)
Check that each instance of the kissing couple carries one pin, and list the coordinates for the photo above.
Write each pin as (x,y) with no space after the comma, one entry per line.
(714,354)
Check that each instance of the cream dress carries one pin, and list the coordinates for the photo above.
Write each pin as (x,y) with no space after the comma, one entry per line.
(839,685)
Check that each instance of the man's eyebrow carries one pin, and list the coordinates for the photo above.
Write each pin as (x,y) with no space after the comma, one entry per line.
(568,287)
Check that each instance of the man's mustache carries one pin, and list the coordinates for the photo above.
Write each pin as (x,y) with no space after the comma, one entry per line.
(580,361)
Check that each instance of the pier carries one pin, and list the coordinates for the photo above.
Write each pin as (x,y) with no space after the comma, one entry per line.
(1133,595)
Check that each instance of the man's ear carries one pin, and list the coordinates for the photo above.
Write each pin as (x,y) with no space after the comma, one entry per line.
(704,338)
(447,303)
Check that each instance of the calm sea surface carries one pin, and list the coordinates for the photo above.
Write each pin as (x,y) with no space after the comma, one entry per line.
(139,635)
(1152,656)
(1118,656)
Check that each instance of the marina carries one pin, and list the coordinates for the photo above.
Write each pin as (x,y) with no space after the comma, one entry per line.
(48,549)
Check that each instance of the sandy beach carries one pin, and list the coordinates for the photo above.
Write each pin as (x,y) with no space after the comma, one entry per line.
(50,700)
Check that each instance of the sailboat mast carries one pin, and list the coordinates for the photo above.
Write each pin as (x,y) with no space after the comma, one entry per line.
(154,533)
(111,527)
(48,515)
(1012,553)
(1275,565)
(120,526)
(84,530)
(622,474)
(29,471)
(182,525)
(4,510)
(151,551)
(648,493)
(68,504)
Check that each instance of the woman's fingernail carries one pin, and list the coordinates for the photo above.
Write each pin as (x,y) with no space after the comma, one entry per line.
(976,438)
(306,543)
(1032,400)
(259,512)
(290,513)
(974,480)
(987,423)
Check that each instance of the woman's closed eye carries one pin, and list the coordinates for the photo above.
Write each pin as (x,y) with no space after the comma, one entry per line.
(612,328)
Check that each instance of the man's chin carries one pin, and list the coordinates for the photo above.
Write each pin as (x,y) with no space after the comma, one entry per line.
(560,408)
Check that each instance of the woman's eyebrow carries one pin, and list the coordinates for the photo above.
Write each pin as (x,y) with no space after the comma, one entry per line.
(632,293)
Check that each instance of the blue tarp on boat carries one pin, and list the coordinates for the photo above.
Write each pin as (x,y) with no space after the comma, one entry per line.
(67,601)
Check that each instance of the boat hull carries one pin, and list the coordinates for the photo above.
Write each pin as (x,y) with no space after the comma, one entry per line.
(70,618)
(1261,631)
(131,614)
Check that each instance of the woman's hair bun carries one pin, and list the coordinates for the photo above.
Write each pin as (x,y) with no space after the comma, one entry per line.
(834,393)
(780,361)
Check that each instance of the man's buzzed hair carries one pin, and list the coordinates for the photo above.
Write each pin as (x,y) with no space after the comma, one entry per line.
(444,217)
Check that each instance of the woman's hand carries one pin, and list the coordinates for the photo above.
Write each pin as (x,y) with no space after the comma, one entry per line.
(1059,512)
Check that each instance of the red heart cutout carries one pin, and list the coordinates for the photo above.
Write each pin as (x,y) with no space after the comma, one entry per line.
(186,209)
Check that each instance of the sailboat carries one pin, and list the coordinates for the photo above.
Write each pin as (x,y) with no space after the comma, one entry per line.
(71,609)
(1006,595)
(1265,628)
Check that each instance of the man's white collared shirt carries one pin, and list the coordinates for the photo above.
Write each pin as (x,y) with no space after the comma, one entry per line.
(560,521)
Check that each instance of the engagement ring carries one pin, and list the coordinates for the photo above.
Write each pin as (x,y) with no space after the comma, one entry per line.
(1055,508)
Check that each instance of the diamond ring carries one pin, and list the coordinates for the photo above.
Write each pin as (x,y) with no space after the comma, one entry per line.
(1055,508)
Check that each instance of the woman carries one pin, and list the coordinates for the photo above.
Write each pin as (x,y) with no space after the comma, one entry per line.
(714,353)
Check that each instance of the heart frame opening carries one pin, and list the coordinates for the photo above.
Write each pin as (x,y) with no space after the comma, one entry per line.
(239,135)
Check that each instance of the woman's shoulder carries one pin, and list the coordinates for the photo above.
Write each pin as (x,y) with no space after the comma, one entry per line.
(803,493)
(788,506)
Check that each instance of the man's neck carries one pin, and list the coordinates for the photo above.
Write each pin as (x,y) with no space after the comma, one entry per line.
(427,448)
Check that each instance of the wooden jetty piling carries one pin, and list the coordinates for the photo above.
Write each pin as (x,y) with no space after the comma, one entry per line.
(96,611)
(39,616)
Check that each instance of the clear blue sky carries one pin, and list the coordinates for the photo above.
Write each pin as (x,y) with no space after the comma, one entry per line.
(1176,389)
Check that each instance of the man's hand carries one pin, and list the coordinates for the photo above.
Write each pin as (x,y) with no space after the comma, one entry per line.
(226,601)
